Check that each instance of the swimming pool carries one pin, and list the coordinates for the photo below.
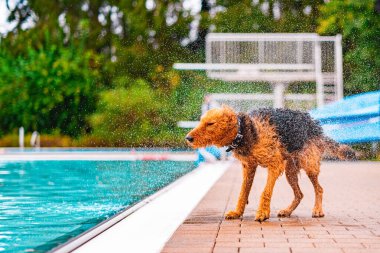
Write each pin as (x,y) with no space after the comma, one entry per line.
(45,203)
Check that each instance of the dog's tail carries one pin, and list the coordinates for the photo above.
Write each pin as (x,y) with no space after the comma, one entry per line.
(336,150)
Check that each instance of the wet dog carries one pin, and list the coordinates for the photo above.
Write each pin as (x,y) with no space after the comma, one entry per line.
(280,140)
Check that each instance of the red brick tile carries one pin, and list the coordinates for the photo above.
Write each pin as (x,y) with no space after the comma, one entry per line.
(279,239)
(315,250)
(240,244)
(287,245)
(226,250)
(355,250)
(186,250)
(264,250)
(222,238)
(372,245)
(351,224)
(302,240)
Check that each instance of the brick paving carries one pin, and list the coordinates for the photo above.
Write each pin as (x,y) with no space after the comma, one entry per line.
(351,205)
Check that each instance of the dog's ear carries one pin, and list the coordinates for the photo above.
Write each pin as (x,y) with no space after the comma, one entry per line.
(228,108)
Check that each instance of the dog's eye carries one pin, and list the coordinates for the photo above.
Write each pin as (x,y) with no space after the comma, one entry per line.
(210,123)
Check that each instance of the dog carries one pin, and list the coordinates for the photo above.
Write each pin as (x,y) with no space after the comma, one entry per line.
(281,140)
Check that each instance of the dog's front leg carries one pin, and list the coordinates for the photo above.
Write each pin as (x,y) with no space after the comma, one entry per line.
(248,175)
(263,212)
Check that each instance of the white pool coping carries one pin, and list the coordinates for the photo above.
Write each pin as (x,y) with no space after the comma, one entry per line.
(147,226)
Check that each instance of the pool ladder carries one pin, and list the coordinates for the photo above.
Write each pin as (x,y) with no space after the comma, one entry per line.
(35,140)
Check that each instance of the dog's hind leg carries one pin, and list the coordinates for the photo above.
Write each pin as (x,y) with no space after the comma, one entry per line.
(317,211)
(291,173)
(249,170)
(310,161)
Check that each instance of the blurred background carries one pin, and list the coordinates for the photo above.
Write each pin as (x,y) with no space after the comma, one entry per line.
(99,73)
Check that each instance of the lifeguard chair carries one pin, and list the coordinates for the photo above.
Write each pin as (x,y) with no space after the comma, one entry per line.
(278,59)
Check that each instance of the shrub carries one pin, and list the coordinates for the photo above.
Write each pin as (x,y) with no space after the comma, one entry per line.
(133,116)
(45,89)
(46,140)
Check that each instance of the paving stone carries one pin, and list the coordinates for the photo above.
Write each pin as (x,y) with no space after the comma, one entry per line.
(351,224)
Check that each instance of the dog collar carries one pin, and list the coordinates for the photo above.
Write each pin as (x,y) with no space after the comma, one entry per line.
(239,136)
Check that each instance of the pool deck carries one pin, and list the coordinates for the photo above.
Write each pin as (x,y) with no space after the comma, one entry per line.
(351,223)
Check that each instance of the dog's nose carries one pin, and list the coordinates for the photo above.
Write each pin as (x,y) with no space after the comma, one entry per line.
(189,138)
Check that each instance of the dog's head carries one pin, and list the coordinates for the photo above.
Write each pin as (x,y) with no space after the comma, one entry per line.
(217,127)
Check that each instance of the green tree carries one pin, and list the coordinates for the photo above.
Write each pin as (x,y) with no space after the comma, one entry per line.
(129,39)
(134,37)
(51,88)
(267,16)
(359,24)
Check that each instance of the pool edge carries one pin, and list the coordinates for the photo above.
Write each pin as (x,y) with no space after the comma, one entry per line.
(79,242)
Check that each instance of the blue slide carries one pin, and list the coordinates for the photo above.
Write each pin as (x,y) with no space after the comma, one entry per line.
(355,119)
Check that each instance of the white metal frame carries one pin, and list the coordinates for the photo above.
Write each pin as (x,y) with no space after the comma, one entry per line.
(278,74)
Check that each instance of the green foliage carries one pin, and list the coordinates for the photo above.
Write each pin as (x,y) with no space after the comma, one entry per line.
(133,116)
(267,16)
(360,27)
(52,87)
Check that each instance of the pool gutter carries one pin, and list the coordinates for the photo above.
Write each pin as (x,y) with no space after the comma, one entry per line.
(149,224)
(97,156)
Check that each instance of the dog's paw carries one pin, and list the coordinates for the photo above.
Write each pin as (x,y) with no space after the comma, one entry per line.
(284,213)
(318,213)
(262,215)
(232,215)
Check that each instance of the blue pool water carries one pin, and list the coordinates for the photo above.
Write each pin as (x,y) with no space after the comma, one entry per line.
(45,203)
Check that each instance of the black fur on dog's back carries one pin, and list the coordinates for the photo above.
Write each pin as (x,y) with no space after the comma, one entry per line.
(294,128)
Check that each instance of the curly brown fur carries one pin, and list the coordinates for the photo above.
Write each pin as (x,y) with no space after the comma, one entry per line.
(341,152)
(277,139)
